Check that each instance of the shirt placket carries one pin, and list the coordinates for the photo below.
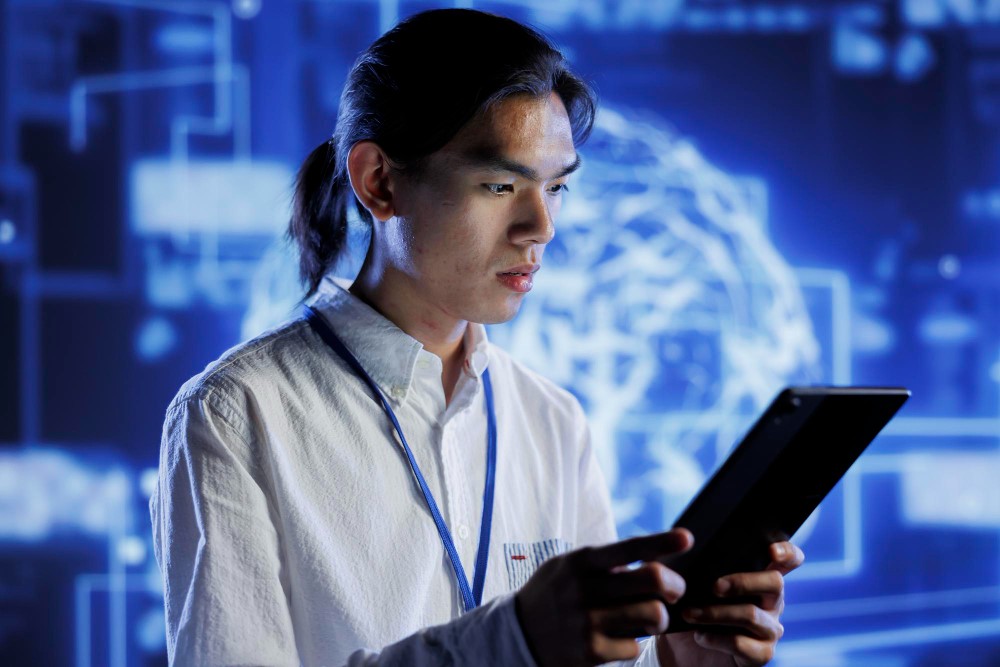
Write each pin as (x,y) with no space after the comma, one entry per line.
(456,478)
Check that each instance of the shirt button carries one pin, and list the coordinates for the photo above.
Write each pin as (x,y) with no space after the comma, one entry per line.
(463,532)
(398,392)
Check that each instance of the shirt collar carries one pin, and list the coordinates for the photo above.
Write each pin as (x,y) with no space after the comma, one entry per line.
(477,356)
(386,352)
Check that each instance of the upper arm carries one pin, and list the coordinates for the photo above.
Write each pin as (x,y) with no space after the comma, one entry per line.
(217,543)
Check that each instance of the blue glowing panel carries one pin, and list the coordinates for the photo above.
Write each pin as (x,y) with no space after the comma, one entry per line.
(46,493)
(205,197)
(858,52)
(967,495)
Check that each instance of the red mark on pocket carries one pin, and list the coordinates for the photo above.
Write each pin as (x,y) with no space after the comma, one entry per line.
(518,557)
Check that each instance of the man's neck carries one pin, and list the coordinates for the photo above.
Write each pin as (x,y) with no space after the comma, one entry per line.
(395,297)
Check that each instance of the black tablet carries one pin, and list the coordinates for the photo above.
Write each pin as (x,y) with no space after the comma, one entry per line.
(773,480)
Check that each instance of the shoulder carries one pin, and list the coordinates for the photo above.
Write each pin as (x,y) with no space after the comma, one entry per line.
(268,362)
(221,419)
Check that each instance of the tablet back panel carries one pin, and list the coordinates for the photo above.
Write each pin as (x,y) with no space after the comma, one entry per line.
(786,464)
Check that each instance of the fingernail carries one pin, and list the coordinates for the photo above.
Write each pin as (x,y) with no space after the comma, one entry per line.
(722,586)
(782,550)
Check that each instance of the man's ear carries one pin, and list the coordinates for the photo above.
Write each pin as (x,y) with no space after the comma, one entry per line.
(371,177)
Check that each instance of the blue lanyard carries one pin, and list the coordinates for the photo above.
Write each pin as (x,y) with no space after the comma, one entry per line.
(473,597)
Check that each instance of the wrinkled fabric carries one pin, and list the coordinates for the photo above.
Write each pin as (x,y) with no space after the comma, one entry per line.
(288,526)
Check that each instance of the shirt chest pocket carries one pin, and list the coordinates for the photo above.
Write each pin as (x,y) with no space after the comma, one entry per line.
(523,558)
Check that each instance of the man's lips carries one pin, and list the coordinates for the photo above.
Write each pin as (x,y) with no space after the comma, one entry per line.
(518,278)
(523,269)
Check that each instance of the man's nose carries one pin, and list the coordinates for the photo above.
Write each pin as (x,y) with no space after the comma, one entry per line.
(535,223)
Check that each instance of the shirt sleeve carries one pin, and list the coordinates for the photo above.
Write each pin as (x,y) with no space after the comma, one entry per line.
(225,594)
(489,635)
(597,521)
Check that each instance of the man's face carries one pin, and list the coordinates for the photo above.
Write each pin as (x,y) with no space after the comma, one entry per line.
(484,206)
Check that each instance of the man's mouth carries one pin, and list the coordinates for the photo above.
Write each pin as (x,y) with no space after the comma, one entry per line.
(519,279)
(522,270)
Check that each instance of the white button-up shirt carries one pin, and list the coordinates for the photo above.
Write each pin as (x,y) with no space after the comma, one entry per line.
(289,528)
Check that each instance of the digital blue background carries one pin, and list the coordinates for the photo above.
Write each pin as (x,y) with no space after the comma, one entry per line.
(146,152)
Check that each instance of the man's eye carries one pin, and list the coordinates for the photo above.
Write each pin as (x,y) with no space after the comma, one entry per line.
(499,188)
(558,187)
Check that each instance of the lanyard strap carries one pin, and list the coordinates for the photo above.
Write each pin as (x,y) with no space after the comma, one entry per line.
(471,598)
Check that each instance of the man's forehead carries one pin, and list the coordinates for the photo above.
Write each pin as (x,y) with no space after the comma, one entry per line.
(532,132)
(489,151)
(520,116)
(535,166)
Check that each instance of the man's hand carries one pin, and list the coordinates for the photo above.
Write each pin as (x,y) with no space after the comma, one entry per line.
(756,629)
(587,608)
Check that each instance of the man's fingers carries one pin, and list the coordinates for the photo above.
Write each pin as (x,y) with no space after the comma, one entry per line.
(752,619)
(757,651)
(767,586)
(750,583)
(638,619)
(603,649)
(785,557)
(649,580)
(646,548)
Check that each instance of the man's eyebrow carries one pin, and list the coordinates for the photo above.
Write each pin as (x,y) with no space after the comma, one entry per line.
(488,159)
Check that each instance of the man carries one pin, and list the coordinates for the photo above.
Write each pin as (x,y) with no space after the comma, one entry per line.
(326,487)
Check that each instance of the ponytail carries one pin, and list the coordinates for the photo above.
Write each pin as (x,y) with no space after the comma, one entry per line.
(319,214)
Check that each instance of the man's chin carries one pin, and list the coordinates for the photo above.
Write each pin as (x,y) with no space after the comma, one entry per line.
(505,313)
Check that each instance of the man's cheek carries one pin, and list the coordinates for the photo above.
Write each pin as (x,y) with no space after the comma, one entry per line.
(469,238)
(468,268)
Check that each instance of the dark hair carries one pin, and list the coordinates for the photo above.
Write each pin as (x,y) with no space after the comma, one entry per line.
(410,92)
